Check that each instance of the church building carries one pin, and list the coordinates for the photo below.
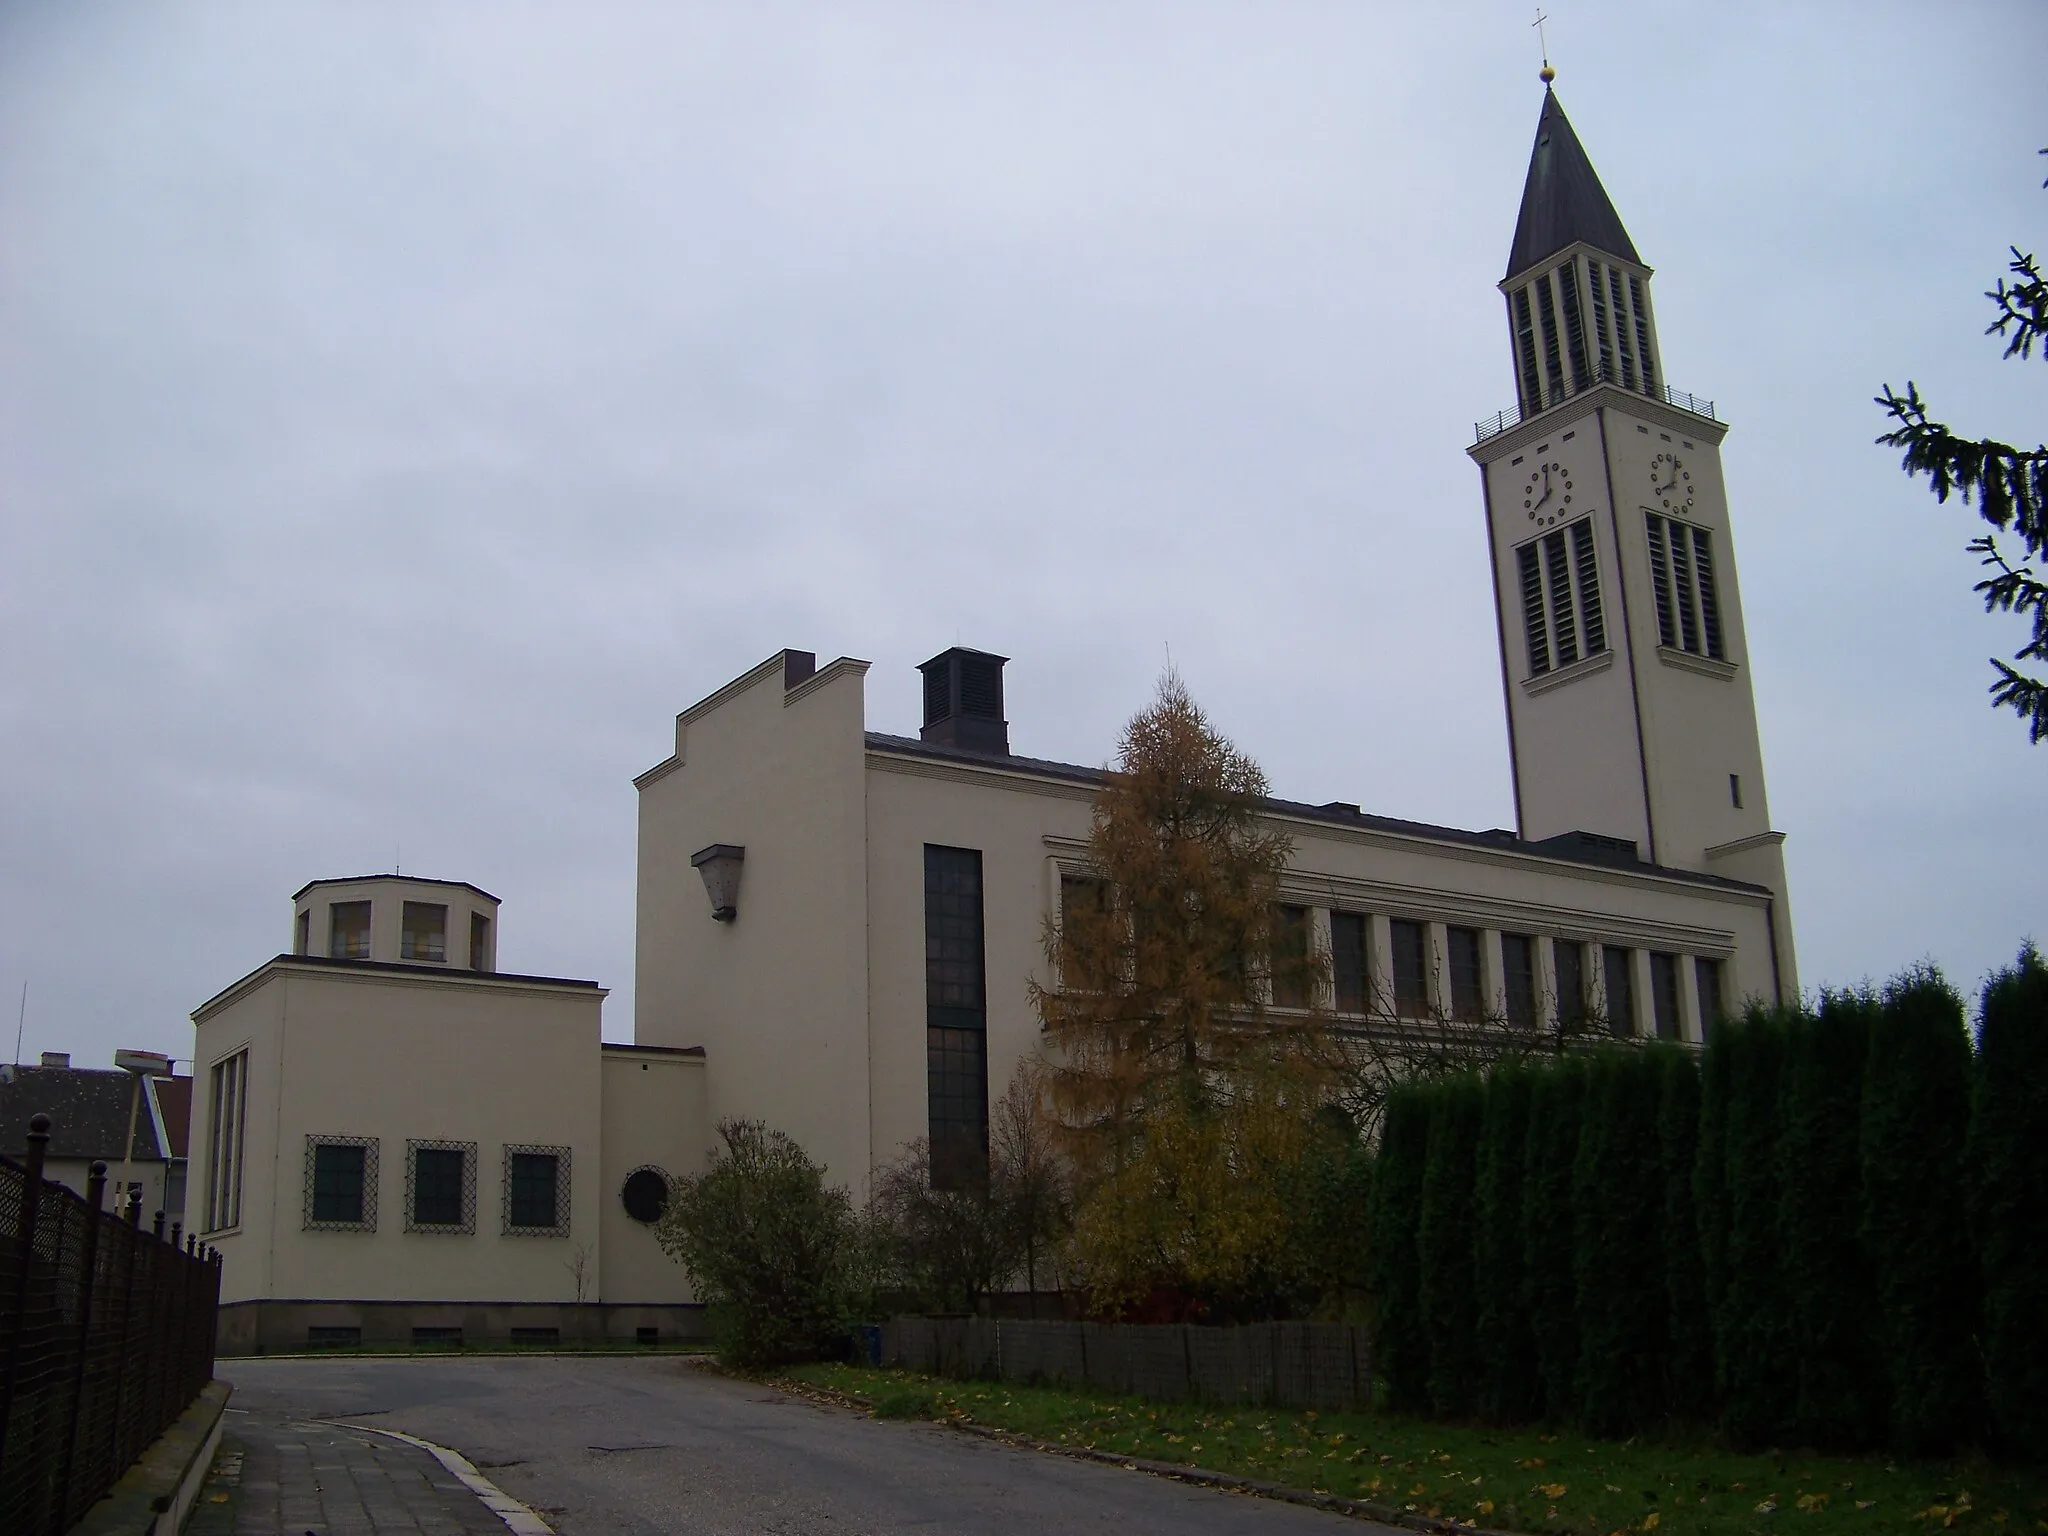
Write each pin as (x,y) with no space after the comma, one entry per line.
(837,927)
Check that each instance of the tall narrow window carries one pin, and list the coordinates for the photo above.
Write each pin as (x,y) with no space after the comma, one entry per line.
(1553,365)
(1348,971)
(1660,580)
(1621,992)
(1083,900)
(302,932)
(1707,978)
(423,933)
(348,930)
(1569,959)
(1525,350)
(1518,978)
(479,942)
(1621,328)
(1564,631)
(956,1017)
(1534,622)
(1710,609)
(1574,324)
(1639,307)
(1592,625)
(1468,985)
(1603,334)
(1688,611)
(1664,994)
(1290,957)
(226,1117)
(1411,968)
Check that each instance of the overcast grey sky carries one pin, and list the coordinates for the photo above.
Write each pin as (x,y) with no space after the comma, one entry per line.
(406,409)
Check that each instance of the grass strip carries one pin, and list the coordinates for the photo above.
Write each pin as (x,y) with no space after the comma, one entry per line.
(1514,1480)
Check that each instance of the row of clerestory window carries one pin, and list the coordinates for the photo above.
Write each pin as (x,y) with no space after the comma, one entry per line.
(422,933)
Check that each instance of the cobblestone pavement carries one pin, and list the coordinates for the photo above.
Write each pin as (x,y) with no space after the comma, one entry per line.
(277,1475)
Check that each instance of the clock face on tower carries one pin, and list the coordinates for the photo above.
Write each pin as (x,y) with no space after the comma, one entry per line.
(1549,496)
(1670,484)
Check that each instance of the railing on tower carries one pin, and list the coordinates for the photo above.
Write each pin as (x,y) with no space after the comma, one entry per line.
(106,1336)
(1514,415)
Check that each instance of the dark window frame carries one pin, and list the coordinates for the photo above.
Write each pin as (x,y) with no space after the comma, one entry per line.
(1617,964)
(435,936)
(1409,941)
(1291,956)
(320,1211)
(1664,1005)
(956,1016)
(1518,978)
(463,1220)
(559,1227)
(1465,952)
(1351,962)
(339,946)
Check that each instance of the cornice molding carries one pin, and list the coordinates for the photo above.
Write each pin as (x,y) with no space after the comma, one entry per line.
(1745,845)
(1585,666)
(991,777)
(658,772)
(831,672)
(1609,396)
(285,967)
(1706,666)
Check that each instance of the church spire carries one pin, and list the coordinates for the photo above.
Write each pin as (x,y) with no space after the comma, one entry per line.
(1562,200)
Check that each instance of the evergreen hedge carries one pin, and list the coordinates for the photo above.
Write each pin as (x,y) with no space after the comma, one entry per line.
(1618,1225)
(2009,1169)
(1689,1363)
(1828,1230)
(1400,1340)
(1839,1395)
(1510,1389)
(1916,1108)
(1556,1098)
(1751,1328)
(1445,1287)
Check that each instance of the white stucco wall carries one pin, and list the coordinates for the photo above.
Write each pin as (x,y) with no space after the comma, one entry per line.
(653,1106)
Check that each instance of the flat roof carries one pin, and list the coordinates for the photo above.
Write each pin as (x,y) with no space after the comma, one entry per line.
(1583,855)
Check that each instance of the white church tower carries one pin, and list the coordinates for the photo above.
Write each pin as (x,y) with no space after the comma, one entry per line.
(1623,655)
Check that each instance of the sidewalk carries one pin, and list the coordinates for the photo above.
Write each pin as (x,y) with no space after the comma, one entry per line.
(278,1476)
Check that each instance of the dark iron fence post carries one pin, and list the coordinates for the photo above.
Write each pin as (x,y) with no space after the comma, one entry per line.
(25,1236)
(88,1275)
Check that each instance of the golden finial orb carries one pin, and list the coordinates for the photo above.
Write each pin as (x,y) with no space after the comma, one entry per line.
(1546,74)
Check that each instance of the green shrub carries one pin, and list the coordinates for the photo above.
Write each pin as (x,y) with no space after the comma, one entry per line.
(1556,1096)
(1445,1242)
(1689,1365)
(1752,1330)
(1710,1174)
(766,1246)
(1510,1390)
(2009,1168)
(1618,1211)
(1840,1396)
(1916,1106)
(1400,1341)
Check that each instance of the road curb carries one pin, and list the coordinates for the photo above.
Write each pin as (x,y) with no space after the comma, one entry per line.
(519,1520)
(1201,1477)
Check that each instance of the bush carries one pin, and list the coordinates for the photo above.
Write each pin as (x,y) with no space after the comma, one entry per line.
(1556,1100)
(1618,1200)
(1510,1390)
(1689,1364)
(1839,1399)
(1751,1328)
(2009,1168)
(767,1248)
(1916,1108)
(1400,1343)
(1445,1239)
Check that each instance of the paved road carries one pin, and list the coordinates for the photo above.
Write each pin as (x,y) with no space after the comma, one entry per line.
(652,1444)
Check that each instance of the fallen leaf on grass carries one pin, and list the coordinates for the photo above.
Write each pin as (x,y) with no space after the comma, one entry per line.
(1812,1503)
(1551,1490)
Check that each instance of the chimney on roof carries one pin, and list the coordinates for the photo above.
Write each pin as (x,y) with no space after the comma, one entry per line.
(56,1058)
(963,702)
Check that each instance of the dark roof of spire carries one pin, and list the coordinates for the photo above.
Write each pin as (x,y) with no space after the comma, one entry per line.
(1563,201)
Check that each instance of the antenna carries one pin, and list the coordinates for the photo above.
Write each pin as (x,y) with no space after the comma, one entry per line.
(20,1021)
(1546,74)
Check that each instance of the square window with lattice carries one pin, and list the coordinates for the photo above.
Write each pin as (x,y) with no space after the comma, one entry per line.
(440,1186)
(341,1184)
(536,1191)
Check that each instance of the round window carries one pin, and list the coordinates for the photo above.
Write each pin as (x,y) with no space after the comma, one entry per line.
(644,1194)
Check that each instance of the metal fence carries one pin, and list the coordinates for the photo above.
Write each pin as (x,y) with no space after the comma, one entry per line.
(1286,1365)
(106,1335)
